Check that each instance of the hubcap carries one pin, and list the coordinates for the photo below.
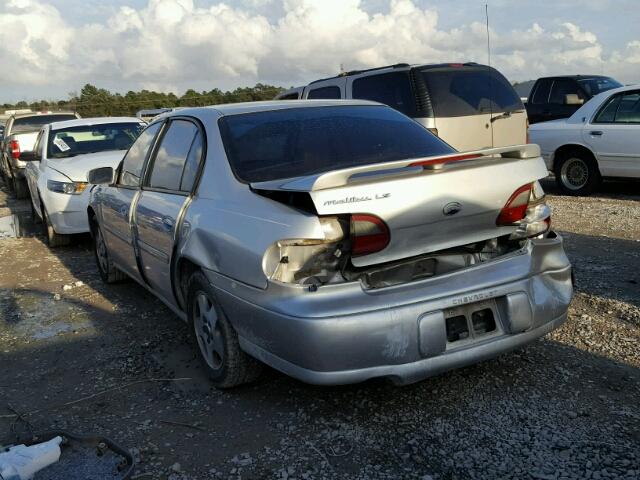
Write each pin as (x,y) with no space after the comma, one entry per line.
(207,330)
(574,173)
(101,251)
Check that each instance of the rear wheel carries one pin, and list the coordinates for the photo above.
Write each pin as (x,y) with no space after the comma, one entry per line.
(108,271)
(577,173)
(228,366)
(53,239)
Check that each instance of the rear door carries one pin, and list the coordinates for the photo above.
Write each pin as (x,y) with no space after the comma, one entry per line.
(614,134)
(117,202)
(474,106)
(167,187)
(558,106)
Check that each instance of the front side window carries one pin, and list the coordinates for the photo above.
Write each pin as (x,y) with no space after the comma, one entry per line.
(393,89)
(621,108)
(263,146)
(563,87)
(466,91)
(80,140)
(172,154)
(134,159)
(325,93)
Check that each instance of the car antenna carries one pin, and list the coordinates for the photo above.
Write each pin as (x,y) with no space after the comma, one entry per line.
(486,13)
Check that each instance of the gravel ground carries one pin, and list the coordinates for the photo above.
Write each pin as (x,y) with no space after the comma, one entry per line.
(112,361)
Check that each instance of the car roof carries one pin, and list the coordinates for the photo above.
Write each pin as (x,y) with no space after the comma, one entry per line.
(404,67)
(80,122)
(573,77)
(251,107)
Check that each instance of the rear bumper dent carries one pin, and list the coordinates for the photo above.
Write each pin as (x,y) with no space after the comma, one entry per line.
(343,334)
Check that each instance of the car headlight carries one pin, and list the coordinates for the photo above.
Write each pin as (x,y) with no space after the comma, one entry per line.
(70,188)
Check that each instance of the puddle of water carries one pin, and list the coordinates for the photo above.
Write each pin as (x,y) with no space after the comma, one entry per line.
(18,225)
(39,316)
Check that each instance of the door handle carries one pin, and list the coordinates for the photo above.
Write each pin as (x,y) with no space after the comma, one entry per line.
(596,133)
(168,223)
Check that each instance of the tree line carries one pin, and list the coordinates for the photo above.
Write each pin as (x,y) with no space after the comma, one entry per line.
(97,102)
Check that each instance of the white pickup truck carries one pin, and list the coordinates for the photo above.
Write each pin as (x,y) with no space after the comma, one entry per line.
(20,135)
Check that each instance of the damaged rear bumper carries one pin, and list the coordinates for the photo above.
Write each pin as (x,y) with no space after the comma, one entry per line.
(343,334)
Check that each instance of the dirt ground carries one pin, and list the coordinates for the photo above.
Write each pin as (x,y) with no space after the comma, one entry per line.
(82,356)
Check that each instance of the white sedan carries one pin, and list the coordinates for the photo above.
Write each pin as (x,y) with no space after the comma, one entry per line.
(600,140)
(64,153)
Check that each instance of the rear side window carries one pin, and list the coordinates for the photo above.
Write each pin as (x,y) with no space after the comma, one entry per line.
(325,93)
(563,87)
(30,124)
(541,95)
(393,89)
(264,146)
(172,154)
(464,91)
(622,108)
(134,159)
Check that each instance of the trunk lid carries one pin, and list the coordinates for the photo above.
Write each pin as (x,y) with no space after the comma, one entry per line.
(454,200)
(26,140)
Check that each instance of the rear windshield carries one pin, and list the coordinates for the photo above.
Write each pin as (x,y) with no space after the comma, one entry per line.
(287,143)
(72,141)
(594,86)
(31,124)
(464,91)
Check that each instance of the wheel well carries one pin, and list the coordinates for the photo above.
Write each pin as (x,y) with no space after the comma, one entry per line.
(91,215)
(564,150)
(184,270)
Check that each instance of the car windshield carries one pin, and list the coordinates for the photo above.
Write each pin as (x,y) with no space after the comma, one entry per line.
(288,143)
(594,86)
(72,141)
(34,122)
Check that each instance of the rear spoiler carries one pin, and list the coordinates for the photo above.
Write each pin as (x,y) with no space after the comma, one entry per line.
(339,178)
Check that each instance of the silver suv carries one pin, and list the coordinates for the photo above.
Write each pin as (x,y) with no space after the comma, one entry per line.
(470,106)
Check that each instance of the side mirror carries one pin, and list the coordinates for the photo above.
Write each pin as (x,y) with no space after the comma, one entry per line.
(572,99)
(101,176)
(29,157)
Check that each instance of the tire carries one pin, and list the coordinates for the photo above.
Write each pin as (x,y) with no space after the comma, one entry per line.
(54,239)
(109,273)
(20,188)
(577,173)
(216,339)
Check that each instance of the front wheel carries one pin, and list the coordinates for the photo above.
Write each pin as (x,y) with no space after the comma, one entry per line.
(54,239)
(228,366)
(577,174)
(108,271)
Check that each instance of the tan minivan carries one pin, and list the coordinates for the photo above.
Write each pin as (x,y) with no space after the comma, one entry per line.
(470,106)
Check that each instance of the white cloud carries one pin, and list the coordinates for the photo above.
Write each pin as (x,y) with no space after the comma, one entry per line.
(171,44)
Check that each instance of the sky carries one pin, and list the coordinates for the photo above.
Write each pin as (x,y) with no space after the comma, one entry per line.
(49,49)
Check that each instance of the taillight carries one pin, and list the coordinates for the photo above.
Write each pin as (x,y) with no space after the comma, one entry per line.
(516,207)
(14,145)
(369,234)
(526,209)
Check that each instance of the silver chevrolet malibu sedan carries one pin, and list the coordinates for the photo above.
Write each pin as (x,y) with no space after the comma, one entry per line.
(335,241)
